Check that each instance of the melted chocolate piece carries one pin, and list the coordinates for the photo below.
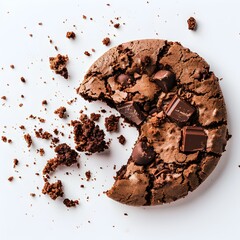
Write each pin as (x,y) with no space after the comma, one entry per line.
(143,154)
(193,139)
(179,110)
(132,112)
(165,80)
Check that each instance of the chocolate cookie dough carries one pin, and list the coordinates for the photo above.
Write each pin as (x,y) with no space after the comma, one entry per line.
(170,95)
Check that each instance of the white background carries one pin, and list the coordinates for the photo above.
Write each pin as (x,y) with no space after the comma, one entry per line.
(211,212)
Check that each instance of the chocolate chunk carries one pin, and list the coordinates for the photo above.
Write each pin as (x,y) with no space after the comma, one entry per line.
(193,139)
(179,110)
(142,154)
(165,80)
(122,79)
(132,112)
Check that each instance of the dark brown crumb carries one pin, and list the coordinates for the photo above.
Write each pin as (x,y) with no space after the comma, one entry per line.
(93,50)
(88,136)
(58,64)
(84,17)
(103,111)
(65,156)
(125,214)
(22,127)
(88,175)
(44,102)
(111,123)
(28,139)
(30,35)
(122,139)
(95,116)
(41,151)
(4,98)
(56,48)
(43,134)
(87,53)
(61,112)
(81,186)
(192,23)
(20,105)
(54,190)
(12,66)
(4,139)
(71,35)
(15,162)
(116,25)
(9,140)
(32,194)
(106,41)
(56,132)
(40,24)
(10,179)
(23,79)
(70,203)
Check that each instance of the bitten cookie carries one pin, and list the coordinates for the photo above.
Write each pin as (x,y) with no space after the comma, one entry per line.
(169,94)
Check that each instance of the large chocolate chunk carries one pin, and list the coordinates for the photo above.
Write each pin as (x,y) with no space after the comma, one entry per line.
(143,154)
(179,110)
(165,80)
(193,139)
(131,111)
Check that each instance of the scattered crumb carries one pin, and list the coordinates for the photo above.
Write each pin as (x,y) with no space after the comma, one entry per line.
(65,156)
(44,102)
(32,194)
(84,17)
(88,136)
(111,123)
(4,139)
(15,162)
(23,79)
(88,175)
(4,98)
(12,66)
(106,41)
(58,64)
(116,25)
(54,190)
(70,35)
(87,53)
(28,139)
(61,112)
(122,139)
(10,179)
(95,116)
(192,23)
(70,203)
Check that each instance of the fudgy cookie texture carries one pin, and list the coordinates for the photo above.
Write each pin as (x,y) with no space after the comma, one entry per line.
(169,94)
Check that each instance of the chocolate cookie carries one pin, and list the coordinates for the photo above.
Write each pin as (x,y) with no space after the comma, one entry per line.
(169,94)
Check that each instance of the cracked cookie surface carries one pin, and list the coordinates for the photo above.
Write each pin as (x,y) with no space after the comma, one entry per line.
(170,95)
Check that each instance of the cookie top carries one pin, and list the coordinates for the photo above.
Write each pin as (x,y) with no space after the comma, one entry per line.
(175,101)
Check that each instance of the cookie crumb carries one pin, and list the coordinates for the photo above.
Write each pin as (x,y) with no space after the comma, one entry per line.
(111,123)
(192,24)
(15,162)
(122,139)
(88,136)
(12,66)
(95,116)
(87,53)
(70,203)
(61,112)
(106,41)
(54,190)
(28,139)
(88,175)
(117,25)
(58,64)
(23,79)
(32,194)
(70,35)
(10,179)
